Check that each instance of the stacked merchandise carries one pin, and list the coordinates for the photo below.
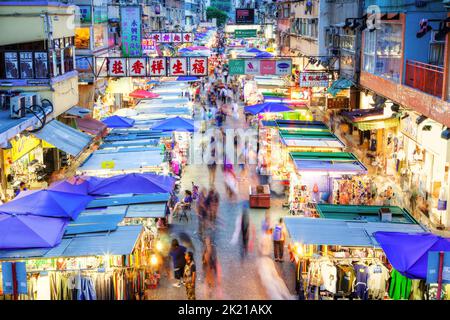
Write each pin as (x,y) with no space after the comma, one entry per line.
(300,203)
(354,191)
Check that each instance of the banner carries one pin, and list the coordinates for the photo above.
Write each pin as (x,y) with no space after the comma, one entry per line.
(314,79)
(245,16)
(154,67)
(244,33)
(172,37)
(338,103)
(130,17)
(236,66)
(280,67)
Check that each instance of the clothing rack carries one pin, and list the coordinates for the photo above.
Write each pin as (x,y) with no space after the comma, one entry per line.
(84,270)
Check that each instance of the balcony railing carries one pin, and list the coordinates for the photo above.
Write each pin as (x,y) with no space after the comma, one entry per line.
(425,77)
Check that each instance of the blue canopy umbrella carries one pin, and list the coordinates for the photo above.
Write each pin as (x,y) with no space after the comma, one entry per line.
(267,107)
(185,50)
(175,124)
(187,78)
(77,184)
(408,253)
(153,82)
(137,183)
(264,55)
(254,50)
(28,231)
(118,122)
(47,203)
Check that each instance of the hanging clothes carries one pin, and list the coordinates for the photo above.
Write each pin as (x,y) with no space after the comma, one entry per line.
(345,279)
(378,280)
(400,287)
(362,277)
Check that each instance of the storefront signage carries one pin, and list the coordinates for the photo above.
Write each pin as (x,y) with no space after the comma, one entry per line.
(12,65)
(172,37)
(245,16)
(338,103)
(23,145)
(148,45)
(108,164)
(280,67)
(243,33)
(131,31)
(156,67)
(300,95)
(85,14)
(236,66)
(18,276)
(433,267)
(314,79)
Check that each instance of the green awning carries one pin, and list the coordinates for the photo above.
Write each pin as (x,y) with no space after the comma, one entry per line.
(306,134)
(323,156)
(339,85)
(377,124)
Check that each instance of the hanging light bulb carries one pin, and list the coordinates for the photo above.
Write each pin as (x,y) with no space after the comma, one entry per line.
(153,260)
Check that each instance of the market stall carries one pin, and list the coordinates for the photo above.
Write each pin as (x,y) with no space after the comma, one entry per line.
(313,174)
(330,264)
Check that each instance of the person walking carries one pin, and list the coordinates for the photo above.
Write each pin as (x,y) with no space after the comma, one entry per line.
(279,236)
(189,275)
(177,252)
(245,231)
(202,211)
(209,260)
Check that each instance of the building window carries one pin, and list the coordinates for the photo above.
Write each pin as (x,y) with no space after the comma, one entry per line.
(383,51)
(436,53)
(286,11)
(82,38)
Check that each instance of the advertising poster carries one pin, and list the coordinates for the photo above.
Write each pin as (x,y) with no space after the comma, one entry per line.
(245,16)
(11,65)
(41,65)
(283,67)
(252,66)
(26,65)
(268,67)
(314,79)
(131,31)
(236,66)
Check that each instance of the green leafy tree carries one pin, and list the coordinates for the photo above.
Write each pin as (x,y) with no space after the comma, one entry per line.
(220,15)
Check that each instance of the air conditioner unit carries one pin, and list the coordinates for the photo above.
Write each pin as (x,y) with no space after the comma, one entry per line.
(31,98)
(5,100)
(433,38)
(385,215)
(17,107)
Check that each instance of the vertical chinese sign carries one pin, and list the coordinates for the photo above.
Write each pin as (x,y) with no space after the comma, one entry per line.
(131,31)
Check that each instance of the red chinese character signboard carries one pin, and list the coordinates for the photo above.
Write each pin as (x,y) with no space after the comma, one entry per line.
(137,67)
(198,66)
(117,67)
(176,37)
(178,66)
(188,37)
(166,37)
(157,67)
(156,37)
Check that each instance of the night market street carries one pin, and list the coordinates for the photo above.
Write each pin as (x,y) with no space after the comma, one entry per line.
(229,150)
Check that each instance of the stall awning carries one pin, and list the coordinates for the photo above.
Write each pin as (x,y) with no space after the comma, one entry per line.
(377,124)
(78,111)
(339,85)
(98,220)
(341,232)
(119,242)
(312,139)
(328,162)
(151,210)
(91,126)
(64,137)
(362,114)
(365,213)
(123,200)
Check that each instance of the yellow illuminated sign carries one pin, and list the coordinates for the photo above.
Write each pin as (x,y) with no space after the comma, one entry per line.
(108,164)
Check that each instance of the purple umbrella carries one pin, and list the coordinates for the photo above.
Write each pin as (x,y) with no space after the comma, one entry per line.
(77,184)
(27,231)
(47,203)
(137,183)
(267,107)
(408,253)
(118,122)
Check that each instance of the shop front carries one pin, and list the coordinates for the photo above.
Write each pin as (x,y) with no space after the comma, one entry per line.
(423,163)
(24,162)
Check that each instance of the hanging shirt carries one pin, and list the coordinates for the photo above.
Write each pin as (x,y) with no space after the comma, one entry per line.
(329,276)
(345,279)
(377,283)
(400,287)
(362,277)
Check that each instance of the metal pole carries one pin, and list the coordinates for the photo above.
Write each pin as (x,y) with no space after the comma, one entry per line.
(14,281)
(440,270)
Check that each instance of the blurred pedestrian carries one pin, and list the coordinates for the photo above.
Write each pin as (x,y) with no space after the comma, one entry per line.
(212,204)
(279,236)
(177,253)
(245,231)
(202,211)
(189,275)
(209,260)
